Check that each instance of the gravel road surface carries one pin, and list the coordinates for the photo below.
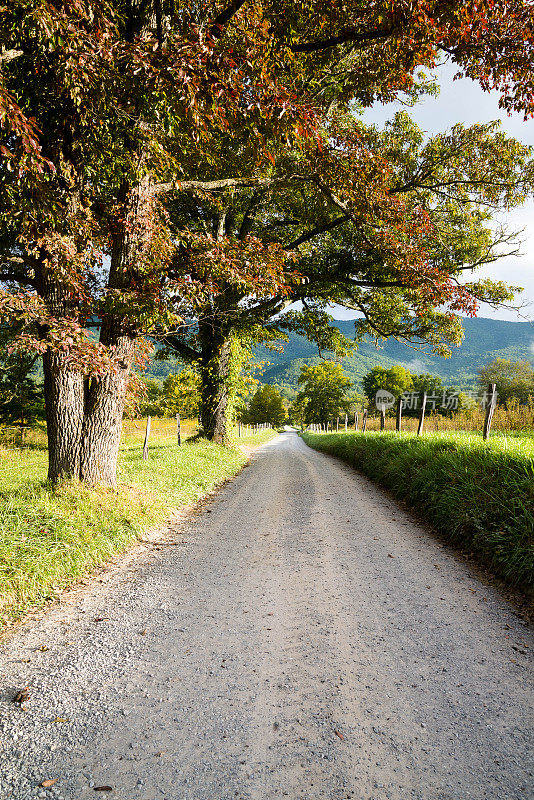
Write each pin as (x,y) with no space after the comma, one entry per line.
(301,637)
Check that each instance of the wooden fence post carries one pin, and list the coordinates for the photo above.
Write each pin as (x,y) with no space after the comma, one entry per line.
(179,429)
(346,422)
(356,419)
(239,429)
(382,418)
(364,421)
(399,415)
(147,434)
(492,393)
(337,425)
(422,416)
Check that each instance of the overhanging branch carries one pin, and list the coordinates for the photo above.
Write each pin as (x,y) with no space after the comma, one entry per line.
(308,235)
(344,36)
(217,26)
(228,183)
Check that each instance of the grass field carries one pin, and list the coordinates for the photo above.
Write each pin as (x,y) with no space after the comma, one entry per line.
(52,536)
(515,419)
(479,495)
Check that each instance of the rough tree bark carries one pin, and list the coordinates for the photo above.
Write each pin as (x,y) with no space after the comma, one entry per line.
(104,395)
(64,415)
(215,380)
(62,387)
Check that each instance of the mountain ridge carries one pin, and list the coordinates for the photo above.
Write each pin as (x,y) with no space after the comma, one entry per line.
(484,340)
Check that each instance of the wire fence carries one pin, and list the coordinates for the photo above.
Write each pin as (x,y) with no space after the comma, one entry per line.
(513,417)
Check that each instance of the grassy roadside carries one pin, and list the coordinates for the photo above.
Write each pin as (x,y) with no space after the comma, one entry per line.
(478,495)
(51,537)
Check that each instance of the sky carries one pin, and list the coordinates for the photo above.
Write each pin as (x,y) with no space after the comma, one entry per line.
(464,101)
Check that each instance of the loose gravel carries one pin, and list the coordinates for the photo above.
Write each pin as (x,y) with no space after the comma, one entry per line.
(301,637)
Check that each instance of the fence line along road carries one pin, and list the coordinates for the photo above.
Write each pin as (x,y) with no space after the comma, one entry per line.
(490,401)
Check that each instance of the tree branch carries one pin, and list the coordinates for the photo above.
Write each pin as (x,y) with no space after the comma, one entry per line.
(248,217)
(9,55)
(185,351)
(305,237)
(217,26)
(227,183)
(345,36)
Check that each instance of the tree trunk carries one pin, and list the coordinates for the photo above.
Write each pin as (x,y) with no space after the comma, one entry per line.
(64,414)
(102,422)
(215,381)
(63,387)
(105,394)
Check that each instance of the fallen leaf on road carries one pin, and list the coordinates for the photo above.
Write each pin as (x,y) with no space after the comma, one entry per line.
(144,632)
(102,788)
(340,735)
(101,619)
(390,555)
(22,695)
(49,782)
(43,648)
(60,719)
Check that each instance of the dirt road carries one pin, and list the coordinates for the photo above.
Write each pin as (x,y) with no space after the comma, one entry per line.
(307,639)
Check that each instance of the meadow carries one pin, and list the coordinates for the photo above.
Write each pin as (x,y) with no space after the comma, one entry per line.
(51,536)
(477,494)
(514,418)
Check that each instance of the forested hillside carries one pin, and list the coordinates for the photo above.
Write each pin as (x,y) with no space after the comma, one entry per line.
(484,340)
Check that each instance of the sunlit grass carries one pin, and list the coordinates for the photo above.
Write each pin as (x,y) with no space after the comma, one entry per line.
(478,494)
(52,536)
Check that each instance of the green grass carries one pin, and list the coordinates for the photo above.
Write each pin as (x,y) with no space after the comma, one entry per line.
(52,536)
(479,495)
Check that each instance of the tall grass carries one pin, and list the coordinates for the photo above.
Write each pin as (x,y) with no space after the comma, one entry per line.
(479,495)
(52,536)
(514,418)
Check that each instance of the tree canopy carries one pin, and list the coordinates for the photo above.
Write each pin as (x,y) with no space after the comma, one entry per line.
(395,380)
(323,394)
(514,379)
(266,405)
